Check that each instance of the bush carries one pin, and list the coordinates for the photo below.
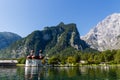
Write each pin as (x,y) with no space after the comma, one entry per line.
(77,64)
(21,60)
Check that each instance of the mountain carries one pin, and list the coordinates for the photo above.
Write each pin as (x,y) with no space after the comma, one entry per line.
(7,38)
(52,40)
(106,35)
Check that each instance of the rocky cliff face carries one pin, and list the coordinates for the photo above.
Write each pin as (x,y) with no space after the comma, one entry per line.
(7,38)
(51,40)
(106,35)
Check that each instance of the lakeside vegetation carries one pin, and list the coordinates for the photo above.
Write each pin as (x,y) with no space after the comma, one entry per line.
(77,58)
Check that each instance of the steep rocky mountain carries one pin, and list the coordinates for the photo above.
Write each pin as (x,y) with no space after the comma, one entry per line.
(106,35)
(52,40)
(7,38)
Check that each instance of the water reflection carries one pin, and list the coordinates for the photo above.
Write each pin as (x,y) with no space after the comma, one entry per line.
(35,73)
(6,72)
(72,73)
(60,73)
(31,73)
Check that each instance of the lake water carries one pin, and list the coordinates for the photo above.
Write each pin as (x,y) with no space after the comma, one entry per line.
(60,73)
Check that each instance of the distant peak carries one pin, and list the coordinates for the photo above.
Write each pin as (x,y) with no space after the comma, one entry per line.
(114,15)
(61,24)
(105,35)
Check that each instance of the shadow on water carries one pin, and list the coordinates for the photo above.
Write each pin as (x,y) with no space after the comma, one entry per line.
(60,73)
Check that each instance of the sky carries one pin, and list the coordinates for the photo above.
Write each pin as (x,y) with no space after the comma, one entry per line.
(25,16)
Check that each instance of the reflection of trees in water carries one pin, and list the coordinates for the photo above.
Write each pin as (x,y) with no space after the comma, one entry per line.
(71,73)
(112,74)
(60,73)
(20,72)
(99,72)
(63,73)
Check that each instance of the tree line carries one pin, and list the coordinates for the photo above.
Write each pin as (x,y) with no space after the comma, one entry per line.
(75,56)
(108,56)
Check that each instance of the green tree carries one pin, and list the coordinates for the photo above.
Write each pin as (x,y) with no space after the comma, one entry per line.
(71,60)
(53,60)
(117,57)
(96,59)
(77,57)
(108,55)
(21,60)
(91,59)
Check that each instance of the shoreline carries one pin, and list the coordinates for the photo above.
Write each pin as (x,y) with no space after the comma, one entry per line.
(110,65)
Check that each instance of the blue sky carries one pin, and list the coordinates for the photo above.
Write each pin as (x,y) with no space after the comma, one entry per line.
(24,16)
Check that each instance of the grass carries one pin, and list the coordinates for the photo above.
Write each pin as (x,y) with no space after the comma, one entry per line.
(20,64)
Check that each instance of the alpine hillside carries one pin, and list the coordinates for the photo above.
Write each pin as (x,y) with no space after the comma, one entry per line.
(106,35)
(52,40)
(7,38)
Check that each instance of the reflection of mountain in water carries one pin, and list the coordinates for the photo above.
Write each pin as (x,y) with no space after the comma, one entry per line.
(7,71)
(60,73)
(11,73)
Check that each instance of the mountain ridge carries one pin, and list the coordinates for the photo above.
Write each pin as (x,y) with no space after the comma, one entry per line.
(52,40)
(7,38)
(106,34)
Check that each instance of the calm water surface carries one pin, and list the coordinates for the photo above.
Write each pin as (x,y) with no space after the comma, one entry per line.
(60,73)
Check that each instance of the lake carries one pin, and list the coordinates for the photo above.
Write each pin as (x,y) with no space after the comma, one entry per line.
(60,73)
